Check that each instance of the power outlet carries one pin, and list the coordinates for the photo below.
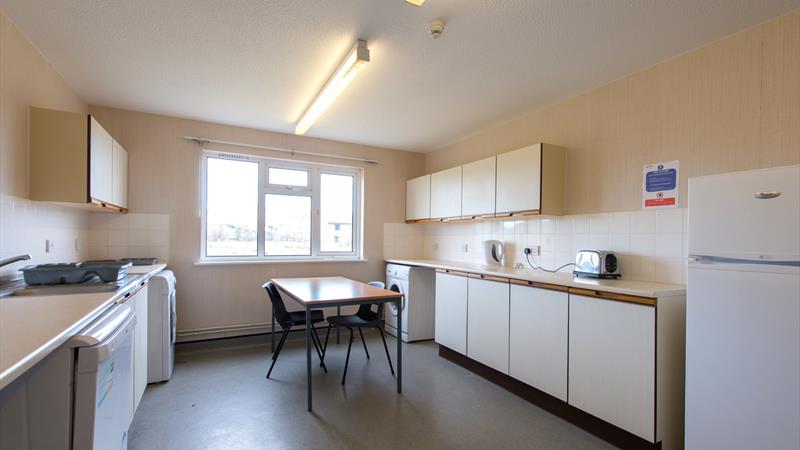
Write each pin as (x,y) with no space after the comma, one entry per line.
(535,250)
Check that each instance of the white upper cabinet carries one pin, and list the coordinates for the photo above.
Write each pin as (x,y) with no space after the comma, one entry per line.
(531,180)
(478,187)
(73,159)
(101,151)
(119,176)
(446,193)
(418,198)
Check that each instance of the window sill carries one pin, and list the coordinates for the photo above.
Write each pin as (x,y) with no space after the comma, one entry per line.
(242,262)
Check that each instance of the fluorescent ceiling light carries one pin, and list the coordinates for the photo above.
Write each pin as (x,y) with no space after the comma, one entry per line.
(416,2)
(341,77)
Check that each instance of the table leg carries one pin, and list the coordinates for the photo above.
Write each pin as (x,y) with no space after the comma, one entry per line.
(338,313)
(308,354)
(398,302)
(272,332)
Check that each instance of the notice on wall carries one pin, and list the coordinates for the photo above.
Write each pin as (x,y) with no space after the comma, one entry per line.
(660,185)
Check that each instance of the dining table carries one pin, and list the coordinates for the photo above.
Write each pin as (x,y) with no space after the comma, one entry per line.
(324,292)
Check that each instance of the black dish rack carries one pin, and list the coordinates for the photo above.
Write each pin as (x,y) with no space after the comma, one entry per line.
(73,273)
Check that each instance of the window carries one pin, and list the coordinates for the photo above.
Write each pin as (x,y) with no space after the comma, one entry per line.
(262,208)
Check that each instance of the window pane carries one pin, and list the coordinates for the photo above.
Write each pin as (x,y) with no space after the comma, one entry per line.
(288,177)
(231,208)
(336,213)
(287,225)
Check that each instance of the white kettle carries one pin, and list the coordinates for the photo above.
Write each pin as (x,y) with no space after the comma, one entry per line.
(493,253)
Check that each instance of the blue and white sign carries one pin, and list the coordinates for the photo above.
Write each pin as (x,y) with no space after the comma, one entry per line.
(660,185)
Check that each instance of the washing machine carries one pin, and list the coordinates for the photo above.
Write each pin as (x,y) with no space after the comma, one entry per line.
(417,284)
(161,318)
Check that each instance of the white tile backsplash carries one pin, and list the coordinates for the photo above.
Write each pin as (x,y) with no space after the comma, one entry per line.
(651,245)
(133,235)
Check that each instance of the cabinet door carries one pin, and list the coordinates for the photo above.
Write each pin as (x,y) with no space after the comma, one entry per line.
(538,338)
(418,198)
(451,311)
(487,323)
(119,175)
(100,162)
(612,362)
(139,303)
(519,179)
(478,187)
(446,193)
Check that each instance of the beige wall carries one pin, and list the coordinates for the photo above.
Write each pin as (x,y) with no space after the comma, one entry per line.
(26,79)
(731,105)
(163,179)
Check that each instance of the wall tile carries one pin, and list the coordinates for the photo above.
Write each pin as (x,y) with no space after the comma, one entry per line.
(580,224)
(599,224)
(643,244)
(564,225)
(548,225)
(643,222)
(669,245)
(669,220)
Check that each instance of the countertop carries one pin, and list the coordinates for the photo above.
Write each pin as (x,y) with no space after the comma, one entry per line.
(621,286)
(31,327)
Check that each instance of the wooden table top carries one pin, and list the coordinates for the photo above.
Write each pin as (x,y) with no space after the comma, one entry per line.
(332,290)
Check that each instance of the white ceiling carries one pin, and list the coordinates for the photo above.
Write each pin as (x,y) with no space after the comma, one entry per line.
(257,63)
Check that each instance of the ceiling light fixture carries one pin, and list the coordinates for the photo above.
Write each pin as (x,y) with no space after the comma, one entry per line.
(415,2)
(341,77)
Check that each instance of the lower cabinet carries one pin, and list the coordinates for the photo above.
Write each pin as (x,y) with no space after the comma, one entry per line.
(487,322)
(139,304)
(612,362)
(538,338)
(451,311)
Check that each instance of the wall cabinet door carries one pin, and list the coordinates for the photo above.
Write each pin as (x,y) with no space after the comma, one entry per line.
(446,193)
(100,162)
(487,323)
(478,187)
(418,198)
(139,304)
(538,338)
(519,179)
(451,311)
(119,175)
(612,362)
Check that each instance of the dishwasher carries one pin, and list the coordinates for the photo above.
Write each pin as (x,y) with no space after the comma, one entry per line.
(103,389)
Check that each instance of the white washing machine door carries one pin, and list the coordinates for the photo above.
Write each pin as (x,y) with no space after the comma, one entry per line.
(396,286)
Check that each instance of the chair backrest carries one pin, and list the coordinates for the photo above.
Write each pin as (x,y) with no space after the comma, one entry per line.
(278,307)
(365,312)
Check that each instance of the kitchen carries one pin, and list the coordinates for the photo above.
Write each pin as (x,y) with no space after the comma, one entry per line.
(409,191)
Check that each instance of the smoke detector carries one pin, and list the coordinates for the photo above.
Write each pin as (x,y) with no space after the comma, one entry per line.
(437,28)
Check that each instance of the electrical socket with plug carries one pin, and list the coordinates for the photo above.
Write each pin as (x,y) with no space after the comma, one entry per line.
(536,250)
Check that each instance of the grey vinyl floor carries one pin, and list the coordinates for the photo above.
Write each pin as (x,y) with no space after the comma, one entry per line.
(218,398)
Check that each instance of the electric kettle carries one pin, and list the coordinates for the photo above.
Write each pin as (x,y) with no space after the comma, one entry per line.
(493,253)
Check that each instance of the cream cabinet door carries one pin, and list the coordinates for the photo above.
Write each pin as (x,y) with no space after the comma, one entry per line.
(612,362)
(487,323)
(519,180)
(451,311)
(418,198)
(100,162)
(446,193)
(478,187)
(538,338)
(119,175)
(139,304)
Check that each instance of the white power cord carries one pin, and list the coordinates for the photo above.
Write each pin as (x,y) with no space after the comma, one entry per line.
(534,267)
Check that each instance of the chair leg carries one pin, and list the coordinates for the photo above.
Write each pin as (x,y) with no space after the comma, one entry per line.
(318,347)
(325,347)
(347,360)
(278,351)
(385,347)
(363,342)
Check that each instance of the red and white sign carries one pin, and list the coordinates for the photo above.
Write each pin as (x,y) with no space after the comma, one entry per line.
(660,185)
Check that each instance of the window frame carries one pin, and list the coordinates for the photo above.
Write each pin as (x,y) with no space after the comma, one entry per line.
(315,170)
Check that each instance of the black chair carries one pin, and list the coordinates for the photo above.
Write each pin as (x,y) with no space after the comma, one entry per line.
(365,317)
(288,319)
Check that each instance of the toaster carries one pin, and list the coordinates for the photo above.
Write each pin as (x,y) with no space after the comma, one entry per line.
(596,264)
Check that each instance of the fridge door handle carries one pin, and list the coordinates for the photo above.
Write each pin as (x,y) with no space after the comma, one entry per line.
(763,195)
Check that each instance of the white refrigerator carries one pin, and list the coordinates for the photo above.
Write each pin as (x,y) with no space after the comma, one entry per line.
(743,311)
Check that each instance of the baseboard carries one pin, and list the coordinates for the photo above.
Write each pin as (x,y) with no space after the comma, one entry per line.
(204,334)
(598,427)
